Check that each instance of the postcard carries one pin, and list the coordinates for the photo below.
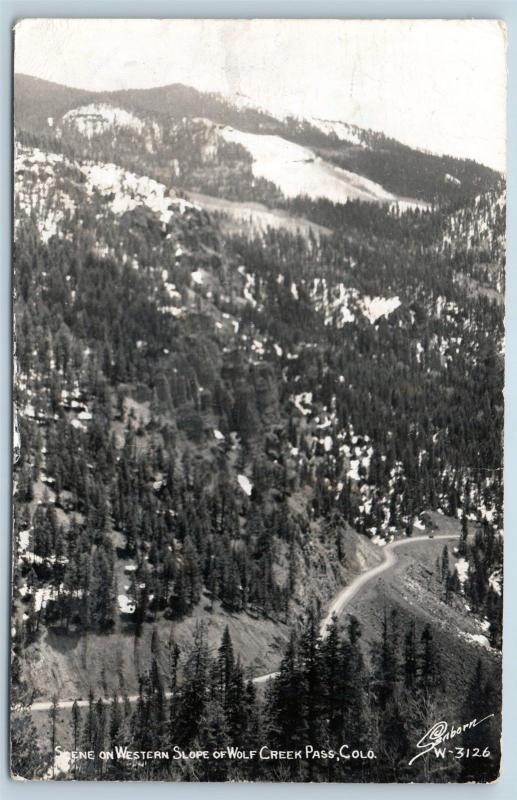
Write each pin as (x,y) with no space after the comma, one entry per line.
(258,388)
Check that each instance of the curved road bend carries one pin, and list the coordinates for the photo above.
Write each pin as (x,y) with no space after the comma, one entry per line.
(343,597)
(336,607)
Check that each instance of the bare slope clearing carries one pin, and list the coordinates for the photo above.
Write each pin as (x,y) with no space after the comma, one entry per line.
(297,170)
(255,217)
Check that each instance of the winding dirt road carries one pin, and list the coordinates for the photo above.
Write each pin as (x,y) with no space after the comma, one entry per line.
(346,594)
(343,597)
(336,607)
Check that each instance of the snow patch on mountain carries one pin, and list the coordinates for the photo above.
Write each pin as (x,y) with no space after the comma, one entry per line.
(303,402)
(451,179)
(477,638)
(96,118)
(39,193)
(245,484)
(337,303)
(126,604)
(375,307)
(36,192)
(462,569)
(297,171)
(494,582)
(342,304)
(128,191)
(341,130)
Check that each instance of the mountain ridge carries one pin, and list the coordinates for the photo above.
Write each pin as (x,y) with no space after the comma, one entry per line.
(400,169)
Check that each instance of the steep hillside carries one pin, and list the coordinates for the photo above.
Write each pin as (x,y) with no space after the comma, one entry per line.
(297,423)
(220,400)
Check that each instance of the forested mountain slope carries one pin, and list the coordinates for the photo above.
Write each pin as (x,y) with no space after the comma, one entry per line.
(227,426)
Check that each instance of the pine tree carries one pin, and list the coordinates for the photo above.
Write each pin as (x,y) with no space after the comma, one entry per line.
(481,703)
(76,727)
(462,546)
(410,660)
(445,565)
(192,695)
(237,707)
(286,712)
(430,676)
(356,722)
(311,671)
(213,735)
(27,759)
(99,735)
(174,655)
(386,662)
(53,716)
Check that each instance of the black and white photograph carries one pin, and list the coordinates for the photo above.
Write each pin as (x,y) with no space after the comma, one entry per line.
(258,378)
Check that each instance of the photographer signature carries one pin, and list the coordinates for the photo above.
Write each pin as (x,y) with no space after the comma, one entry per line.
(440,732)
